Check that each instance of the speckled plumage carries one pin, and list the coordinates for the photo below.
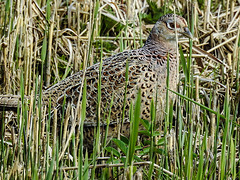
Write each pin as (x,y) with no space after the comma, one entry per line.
(147,70)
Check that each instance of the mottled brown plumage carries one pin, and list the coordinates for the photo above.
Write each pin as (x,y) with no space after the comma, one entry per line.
(147,71)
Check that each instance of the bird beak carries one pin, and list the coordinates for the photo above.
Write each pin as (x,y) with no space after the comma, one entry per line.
(187,33)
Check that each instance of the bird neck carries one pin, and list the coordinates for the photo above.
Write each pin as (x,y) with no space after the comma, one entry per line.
(162,44)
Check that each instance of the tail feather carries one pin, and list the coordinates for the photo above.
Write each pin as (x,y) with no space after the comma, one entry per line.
(10,102)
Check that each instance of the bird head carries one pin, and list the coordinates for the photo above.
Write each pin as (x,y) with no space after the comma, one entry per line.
(166,28)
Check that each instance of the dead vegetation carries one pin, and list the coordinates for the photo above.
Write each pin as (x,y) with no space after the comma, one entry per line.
(46,41)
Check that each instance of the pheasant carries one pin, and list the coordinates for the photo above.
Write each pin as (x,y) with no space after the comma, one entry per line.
(147,71)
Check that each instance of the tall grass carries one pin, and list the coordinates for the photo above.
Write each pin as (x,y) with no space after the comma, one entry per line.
(53,39)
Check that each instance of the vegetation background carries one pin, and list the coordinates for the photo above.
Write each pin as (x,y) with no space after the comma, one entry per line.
(44,41)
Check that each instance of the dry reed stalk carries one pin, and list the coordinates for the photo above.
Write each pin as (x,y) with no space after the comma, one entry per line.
(217,34)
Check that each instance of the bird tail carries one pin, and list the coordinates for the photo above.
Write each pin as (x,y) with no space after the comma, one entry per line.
(10,102)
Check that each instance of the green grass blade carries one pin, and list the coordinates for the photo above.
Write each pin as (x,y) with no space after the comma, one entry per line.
(224,158)
(97,139)
(44,49)
(86,165)
(200,172)
(202,106)
(134,120)
(83,116)
(48,10)
(50,170)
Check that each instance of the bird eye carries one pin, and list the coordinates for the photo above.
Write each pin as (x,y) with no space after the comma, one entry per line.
(170,25)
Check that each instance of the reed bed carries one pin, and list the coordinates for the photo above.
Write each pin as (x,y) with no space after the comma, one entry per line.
(43,42)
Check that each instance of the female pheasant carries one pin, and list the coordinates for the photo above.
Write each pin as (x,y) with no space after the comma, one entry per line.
(147,71)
